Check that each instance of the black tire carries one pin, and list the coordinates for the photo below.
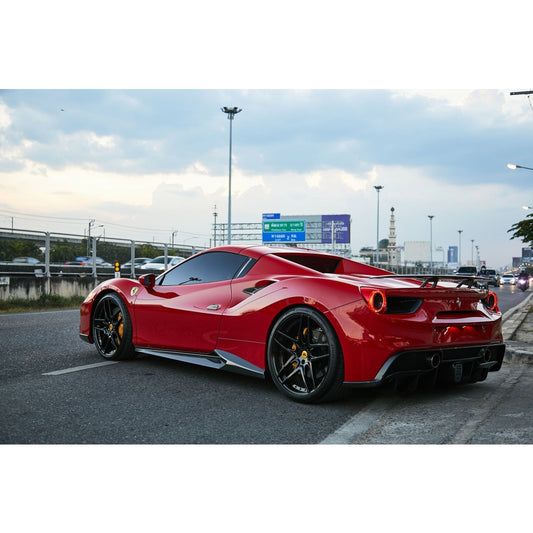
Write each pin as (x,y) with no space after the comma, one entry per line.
(111,328)
(304,356)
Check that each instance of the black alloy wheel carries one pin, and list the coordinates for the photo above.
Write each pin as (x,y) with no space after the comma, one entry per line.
(111,328)
(304,356)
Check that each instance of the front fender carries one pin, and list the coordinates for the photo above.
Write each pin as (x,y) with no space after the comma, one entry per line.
(127,289)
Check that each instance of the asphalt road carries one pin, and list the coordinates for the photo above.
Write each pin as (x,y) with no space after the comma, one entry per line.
(54,389)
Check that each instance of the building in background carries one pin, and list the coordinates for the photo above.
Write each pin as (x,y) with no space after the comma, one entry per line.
(392,249)
(453,255)
(417,252)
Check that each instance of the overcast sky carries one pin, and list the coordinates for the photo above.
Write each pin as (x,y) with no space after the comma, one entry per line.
(148,162)
(145,163)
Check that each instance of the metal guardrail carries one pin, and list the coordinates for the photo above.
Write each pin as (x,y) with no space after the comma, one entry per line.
(39,270)
(59,270)
(48,269)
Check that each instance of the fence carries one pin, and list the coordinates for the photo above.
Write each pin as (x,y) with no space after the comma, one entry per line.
(53,275)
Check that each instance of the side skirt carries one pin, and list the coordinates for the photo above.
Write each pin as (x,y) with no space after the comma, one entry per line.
(218,360)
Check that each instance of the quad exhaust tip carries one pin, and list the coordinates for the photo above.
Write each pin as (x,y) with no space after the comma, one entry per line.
(433,360)
(486,355)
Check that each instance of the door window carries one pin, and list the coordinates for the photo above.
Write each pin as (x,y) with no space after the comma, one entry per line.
(206,268)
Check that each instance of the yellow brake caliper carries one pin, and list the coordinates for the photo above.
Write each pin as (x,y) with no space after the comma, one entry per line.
(304,354)
(120,328)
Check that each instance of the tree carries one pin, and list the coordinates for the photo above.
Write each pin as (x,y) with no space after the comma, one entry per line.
(147,250)
(9,249)
(523,229)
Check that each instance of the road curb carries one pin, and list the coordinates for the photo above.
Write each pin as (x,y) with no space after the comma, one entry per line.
(516,352)
(517,355)
(512,319)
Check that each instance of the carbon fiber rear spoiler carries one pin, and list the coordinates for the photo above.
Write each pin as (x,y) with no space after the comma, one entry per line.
(433,280)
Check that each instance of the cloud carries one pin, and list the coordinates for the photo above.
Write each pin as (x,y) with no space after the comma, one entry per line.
(159,159)
(167,131)
(5,118)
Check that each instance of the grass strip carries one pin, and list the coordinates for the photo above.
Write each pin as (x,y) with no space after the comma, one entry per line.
(49,302)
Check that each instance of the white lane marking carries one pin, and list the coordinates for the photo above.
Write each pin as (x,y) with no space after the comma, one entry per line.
(78,368)
(360,423)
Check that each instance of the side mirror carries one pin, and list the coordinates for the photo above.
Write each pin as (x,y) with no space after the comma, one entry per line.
(147,280)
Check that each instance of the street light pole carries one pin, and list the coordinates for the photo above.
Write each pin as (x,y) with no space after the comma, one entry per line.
(459,258)
(378,188)
(231,112)
(215,225)
(431,241)
(91,223)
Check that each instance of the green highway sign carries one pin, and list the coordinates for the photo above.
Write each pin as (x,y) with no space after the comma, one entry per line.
(284,226)
(283,230)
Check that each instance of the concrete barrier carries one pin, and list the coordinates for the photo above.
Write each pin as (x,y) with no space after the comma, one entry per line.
(32,288)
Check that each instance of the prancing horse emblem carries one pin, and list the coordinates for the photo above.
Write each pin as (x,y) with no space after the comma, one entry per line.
(458,302)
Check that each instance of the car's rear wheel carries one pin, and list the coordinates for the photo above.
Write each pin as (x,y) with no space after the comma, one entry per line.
(304,356)
(111,328)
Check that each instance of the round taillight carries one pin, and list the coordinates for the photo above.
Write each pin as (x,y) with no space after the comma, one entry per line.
(491,301)
(377,302)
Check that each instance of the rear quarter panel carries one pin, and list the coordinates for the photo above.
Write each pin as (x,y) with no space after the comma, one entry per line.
(245,326)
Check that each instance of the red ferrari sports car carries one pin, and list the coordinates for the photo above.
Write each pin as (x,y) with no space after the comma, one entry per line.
(311,321)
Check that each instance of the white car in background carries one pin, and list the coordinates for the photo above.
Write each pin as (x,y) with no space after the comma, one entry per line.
(158,263)
(507,279)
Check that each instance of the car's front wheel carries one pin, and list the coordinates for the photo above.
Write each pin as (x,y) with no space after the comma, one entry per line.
(304,356)
(111,328)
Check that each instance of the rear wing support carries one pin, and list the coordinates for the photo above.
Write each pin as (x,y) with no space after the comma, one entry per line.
(432,280)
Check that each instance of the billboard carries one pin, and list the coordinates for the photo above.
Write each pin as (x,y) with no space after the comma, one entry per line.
(335,228)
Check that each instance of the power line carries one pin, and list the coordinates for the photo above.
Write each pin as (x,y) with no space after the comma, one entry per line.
(18,213)
(71,219)
(11,213)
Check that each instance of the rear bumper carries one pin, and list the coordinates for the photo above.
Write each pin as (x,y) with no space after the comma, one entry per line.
(466,364)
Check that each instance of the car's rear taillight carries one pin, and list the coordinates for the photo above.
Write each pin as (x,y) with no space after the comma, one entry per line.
(376,300)
(491,301)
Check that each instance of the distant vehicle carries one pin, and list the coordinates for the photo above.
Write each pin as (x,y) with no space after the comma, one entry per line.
(26,260)
(138,261)
(466,271)
(492,277)
(159,262)
(85,260)
(507,279)
(522,284)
